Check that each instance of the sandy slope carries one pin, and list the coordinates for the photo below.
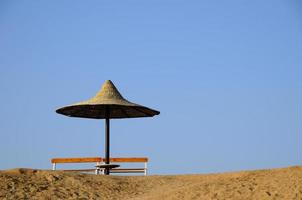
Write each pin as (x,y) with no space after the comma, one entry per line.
(262,184)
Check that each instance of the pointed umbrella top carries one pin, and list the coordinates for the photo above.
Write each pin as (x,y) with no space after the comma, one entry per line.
(107,95)
(107,98)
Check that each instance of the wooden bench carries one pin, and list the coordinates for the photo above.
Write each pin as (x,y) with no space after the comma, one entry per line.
(130,160)
(96,160)
(99,161)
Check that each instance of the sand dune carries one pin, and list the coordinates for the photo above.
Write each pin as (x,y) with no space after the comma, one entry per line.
(282,184)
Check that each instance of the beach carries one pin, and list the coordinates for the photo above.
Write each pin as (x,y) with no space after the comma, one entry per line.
(282,183)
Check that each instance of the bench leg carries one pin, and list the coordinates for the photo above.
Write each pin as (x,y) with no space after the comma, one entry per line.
(145,169)
(54,166)
(97,170)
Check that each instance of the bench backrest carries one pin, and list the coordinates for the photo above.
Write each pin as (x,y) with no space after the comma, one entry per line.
(77,160)
(133,159)
(97,159)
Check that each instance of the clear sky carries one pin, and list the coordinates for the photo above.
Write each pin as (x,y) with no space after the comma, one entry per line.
(226,76)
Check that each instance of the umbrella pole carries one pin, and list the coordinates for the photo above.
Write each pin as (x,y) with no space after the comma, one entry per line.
(107,141)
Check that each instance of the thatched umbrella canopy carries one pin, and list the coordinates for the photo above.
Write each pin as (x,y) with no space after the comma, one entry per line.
(107,104)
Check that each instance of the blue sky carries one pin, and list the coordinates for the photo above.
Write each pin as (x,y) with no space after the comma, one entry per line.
(226,76)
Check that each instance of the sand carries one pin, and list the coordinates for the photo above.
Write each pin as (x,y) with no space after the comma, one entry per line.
(285,183)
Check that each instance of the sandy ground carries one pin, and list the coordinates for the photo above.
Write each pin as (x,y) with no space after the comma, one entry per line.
(282,184)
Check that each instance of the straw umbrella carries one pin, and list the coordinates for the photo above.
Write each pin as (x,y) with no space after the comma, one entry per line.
(107,104)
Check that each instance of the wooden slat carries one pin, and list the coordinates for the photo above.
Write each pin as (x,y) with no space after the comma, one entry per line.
(133,159)
(76,160)
(127,169)
(123,170)
(127,172)
(79,170)
(98,159)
